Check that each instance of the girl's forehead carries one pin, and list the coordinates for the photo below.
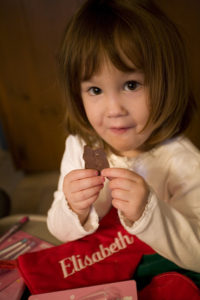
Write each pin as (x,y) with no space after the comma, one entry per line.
(106,65)
(104,62)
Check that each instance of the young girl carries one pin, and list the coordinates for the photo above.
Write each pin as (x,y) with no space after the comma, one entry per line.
(127,90)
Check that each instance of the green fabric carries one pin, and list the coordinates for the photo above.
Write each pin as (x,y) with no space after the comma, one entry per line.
(154,264)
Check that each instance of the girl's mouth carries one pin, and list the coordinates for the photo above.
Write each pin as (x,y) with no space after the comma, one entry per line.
(119,130)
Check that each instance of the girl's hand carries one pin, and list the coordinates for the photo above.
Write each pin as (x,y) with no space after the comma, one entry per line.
(81,189)
(129,192)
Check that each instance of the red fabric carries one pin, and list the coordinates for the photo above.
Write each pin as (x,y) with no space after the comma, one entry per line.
(110,254)
(170,286)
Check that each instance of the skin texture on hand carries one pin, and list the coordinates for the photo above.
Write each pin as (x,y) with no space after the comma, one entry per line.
(129,192)
(81,189)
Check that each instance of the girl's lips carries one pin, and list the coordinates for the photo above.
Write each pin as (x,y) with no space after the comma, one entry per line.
(119,130)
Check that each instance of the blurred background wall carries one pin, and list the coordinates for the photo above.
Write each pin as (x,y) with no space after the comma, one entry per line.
(31,102)
(31,106)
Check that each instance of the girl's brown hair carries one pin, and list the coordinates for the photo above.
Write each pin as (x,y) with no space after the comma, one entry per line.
(127,30)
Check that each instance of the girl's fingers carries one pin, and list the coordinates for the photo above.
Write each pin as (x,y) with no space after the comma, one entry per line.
(87,193)
(81,189)
(86,183)
(120,194)
(82,173)
(82,205)
(120,173)
(121,183)
(81,179)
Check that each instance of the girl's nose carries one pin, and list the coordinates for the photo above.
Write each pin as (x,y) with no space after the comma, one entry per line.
(115,107)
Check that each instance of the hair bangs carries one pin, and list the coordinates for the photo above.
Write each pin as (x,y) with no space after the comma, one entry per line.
(124,52)
(113,44)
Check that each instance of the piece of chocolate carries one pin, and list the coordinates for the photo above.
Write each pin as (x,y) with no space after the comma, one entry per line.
(95,158)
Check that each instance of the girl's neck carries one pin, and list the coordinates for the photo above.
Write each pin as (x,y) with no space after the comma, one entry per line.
(131,154)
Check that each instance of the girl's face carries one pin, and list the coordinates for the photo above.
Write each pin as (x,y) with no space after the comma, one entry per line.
(116,104)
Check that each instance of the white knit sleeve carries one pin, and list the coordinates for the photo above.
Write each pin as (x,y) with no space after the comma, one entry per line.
(172,228)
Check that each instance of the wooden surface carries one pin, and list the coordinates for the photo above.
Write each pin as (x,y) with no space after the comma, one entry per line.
(31,105)
(31,102)
(186,15)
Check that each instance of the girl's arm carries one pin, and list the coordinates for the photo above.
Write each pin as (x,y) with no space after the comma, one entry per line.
(170,233)
(172,228)
(62,221)
(64,224)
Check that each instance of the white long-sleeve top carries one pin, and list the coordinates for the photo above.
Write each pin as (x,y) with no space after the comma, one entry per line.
(170,223)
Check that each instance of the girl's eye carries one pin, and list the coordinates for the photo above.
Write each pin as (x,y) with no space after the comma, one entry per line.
(131,85)
(94,91)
